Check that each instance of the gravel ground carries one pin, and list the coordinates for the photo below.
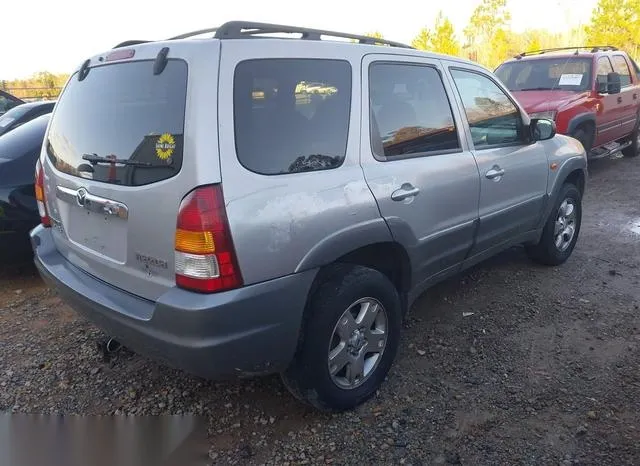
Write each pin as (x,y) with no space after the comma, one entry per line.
(509,363)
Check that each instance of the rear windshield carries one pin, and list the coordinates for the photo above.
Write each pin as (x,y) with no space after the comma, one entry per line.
(572,74)
(121,124)
(291,115)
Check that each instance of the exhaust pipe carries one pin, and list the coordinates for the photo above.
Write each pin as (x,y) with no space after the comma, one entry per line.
(113,346)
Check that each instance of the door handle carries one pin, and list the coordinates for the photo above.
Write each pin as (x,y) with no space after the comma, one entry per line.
(619,99)
(495,172)
(635,96)
(407,190)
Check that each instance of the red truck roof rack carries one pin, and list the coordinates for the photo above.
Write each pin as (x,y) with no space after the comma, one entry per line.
(591,48)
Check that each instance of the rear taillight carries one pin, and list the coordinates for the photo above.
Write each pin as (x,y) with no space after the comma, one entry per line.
(205,257)
(40,198)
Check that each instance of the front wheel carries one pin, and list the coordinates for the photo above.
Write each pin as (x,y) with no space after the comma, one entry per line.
(585,135)
(561,231)
(350,338)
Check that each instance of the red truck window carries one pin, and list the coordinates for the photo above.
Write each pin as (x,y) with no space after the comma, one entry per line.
(603,70)
(621,67)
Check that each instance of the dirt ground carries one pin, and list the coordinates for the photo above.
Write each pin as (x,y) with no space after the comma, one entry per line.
(510,363)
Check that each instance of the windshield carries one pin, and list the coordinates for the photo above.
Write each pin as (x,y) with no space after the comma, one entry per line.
(7,101)
(121,112)
(12,115)
(25,139)
(561,73)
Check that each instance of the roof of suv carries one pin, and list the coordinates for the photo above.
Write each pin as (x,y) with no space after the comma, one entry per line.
(245,30)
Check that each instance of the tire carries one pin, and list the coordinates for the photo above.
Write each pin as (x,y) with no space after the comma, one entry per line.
(585,135)
(308,377)
(634,149)
(547,251)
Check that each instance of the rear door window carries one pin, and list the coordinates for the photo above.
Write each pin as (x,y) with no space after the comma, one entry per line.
(621,67)
(602,72)
(121,124)
(291,115)
(410,111)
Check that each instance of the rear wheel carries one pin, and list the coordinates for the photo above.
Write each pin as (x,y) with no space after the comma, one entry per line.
(561,231)
(634,149)
(351,336)
(585,135)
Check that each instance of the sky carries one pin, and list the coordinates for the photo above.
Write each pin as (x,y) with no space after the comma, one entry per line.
(58,36)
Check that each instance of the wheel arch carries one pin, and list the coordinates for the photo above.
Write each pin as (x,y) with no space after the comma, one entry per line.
(582,119)
(387,257)
(574,170)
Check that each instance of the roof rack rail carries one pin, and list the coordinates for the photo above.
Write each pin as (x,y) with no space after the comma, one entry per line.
(248,29)
(591,48)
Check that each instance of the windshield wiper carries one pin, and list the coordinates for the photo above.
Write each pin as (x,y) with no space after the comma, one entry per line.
(96,159)
(537,89)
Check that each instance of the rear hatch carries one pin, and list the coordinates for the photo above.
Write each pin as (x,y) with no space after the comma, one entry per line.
(119,157)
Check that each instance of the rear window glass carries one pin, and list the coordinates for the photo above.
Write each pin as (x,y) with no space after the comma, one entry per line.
(410,111)
(621,67)
(121,124)
(291,115)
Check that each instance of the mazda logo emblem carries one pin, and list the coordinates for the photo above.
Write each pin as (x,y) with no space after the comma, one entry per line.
(81,196)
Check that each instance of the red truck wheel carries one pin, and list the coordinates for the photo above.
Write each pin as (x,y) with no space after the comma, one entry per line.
(585,135)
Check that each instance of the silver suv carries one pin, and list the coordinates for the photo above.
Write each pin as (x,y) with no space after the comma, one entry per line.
(244,204)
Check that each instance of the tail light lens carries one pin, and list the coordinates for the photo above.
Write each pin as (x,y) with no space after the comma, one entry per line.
(40,198)
(204,253)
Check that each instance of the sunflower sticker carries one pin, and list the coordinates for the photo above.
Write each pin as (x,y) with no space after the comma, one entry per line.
(165,146)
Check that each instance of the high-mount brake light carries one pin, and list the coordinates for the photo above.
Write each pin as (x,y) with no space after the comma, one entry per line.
(120,55)
(205,258)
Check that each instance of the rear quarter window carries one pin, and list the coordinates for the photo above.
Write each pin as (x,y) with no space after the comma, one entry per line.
(125,114)
(291,115)
(621,67)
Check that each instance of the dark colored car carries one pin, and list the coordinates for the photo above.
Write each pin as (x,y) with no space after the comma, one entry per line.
(8,101)
(23,113)
(19,151)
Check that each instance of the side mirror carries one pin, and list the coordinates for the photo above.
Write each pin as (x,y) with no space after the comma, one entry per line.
(613,83)
(542,129)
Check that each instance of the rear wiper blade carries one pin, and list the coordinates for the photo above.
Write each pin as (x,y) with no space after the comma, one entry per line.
(96,159)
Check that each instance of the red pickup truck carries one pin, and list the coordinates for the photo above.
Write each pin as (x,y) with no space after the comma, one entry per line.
(592,94)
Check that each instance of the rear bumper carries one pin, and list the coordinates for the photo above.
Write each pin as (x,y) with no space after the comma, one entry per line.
(245,332)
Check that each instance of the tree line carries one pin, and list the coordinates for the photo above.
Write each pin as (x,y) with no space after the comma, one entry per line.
(42,85)
(487,39)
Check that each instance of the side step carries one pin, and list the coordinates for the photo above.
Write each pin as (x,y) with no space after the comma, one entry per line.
(608,150)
